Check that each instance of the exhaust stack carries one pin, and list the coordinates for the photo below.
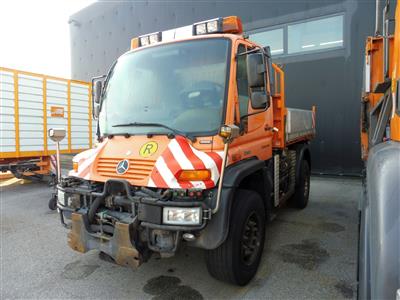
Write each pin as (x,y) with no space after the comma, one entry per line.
(385,26)
(378,17)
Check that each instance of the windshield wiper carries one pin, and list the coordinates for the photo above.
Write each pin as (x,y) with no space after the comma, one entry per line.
(144,124)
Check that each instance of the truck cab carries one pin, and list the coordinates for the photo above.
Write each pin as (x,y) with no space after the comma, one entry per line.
(196,146)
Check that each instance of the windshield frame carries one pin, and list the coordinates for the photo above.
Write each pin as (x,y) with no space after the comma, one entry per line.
(156,132)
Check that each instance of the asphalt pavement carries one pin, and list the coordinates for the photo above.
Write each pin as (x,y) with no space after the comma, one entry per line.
(309,254)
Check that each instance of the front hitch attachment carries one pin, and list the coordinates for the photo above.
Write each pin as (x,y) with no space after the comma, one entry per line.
(119,246)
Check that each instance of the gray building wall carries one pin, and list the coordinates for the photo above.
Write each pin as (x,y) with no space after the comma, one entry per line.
(331,80)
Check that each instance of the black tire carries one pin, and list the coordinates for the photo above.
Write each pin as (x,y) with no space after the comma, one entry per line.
(236,260)
(53,203)
(302,192)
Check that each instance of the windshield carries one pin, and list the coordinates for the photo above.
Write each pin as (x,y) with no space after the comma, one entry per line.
(179,85)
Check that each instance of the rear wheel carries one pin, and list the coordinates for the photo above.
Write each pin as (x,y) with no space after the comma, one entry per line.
(237,259)
(302,192)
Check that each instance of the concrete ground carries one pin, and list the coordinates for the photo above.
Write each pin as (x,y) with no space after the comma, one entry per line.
(309,254)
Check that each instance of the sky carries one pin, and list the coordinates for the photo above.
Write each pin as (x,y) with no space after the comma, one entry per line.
(34,35)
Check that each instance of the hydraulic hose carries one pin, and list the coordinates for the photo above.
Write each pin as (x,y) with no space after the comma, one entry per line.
(94,207)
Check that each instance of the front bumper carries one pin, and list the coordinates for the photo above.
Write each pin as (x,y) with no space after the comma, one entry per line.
(131,237)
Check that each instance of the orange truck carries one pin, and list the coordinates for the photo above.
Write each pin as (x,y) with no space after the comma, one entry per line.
(196,147)
(379,250)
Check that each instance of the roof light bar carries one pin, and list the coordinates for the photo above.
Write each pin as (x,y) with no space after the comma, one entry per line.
(231,24)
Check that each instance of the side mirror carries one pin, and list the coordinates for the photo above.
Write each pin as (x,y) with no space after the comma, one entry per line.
(255,70)
(98,85)
(258,99)
(96,111)
(256,80)
(57,134)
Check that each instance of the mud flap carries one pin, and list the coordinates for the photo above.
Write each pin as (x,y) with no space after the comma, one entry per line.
(119,246)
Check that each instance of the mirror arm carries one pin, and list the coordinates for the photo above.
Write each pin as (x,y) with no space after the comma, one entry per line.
(254,113)
(106,81)
(256,49)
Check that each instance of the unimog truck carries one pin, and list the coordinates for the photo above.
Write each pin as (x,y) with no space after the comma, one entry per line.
(196,146)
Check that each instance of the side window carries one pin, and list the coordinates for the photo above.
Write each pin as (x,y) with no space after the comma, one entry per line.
(242,84)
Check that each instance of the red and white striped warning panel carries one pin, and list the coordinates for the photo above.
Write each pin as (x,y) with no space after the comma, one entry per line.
(180,155)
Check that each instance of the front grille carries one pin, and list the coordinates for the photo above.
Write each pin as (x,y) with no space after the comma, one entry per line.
(139,169)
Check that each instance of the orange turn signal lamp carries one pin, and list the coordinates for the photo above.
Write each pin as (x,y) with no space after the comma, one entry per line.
(231,24)
(75,166)
(194,175)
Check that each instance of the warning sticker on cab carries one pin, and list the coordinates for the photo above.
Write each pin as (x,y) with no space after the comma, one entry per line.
(148,149)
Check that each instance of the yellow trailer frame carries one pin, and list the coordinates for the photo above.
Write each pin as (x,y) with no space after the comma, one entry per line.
(43,155)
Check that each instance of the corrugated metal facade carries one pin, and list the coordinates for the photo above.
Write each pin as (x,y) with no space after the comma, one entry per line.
(330,79)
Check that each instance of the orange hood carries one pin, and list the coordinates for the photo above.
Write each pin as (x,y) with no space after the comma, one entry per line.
(142,161)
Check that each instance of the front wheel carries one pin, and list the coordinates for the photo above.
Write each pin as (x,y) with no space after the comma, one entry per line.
(53,202)
(237,259)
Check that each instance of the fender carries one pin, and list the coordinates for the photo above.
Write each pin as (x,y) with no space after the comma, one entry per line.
(217,228)
(302,152)
(380,227)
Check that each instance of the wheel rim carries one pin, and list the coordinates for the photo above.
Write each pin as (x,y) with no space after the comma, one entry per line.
(251,239)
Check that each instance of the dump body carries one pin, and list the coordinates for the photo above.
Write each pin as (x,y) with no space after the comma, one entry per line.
(33,103)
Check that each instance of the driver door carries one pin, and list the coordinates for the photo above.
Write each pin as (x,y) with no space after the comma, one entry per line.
(256,139)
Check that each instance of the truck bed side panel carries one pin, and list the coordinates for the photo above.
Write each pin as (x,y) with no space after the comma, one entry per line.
(299,125)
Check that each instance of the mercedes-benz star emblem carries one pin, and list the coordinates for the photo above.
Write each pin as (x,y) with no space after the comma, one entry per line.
(122,166)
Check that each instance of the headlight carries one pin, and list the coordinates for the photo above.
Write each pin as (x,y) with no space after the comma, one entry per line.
(70,200)
(212,26)
(155,38)
(151,38)
(182,215)
(145,41)
(61,197)
(201,29)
